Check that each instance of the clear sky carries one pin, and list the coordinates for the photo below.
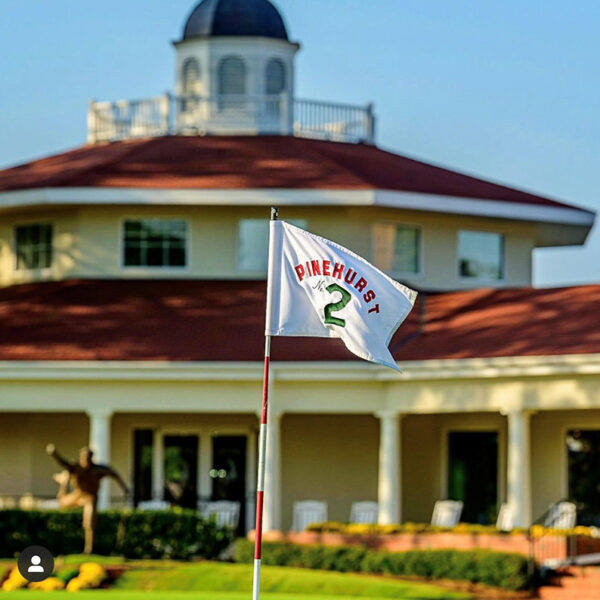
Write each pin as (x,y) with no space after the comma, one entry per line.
(504,89)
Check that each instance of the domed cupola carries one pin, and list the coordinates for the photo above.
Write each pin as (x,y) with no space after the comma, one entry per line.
(235,69)
(213,18)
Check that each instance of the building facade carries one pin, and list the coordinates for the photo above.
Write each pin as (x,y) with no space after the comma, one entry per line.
(132,274)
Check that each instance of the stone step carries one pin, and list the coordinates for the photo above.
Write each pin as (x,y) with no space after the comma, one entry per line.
(558,593)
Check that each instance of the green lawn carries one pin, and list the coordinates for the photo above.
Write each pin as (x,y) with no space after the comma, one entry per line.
(152,580)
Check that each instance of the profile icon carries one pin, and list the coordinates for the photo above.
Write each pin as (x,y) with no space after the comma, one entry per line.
(36,566)
(36,563)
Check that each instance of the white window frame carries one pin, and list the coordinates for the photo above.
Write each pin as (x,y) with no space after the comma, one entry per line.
(487,280)
(33,223)
(421,249)
(155,270)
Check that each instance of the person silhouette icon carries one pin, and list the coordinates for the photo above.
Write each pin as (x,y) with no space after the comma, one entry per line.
(35,567)
(35,563)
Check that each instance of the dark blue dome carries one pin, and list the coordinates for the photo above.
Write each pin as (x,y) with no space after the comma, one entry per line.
(213,18)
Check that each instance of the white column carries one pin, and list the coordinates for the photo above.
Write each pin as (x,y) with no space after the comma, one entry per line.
(519,466)
(272,501)
(100,419)
(158,466)
(205,464)
(389,492)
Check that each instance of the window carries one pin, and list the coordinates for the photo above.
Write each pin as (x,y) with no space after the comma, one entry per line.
(253,244)
(275,77)
(481,255)
(407,250)
(33,246)
(155,243)
(191,77)
(232,82)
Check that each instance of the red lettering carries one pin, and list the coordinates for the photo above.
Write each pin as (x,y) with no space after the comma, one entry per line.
(316,267)
(308,268)
(370,295)
(326,267)
(338,270)
(361,284)
(349,279)
(299,272)
(375,309)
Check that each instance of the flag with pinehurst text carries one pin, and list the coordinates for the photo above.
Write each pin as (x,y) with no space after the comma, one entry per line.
(317,288)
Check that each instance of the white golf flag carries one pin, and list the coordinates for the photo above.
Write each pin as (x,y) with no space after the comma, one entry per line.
(317,288)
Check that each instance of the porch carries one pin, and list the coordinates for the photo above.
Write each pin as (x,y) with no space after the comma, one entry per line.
(405,463)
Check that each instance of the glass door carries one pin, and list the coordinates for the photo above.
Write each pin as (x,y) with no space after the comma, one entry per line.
(583,446)
(473,474)
(181,470)
(228,473)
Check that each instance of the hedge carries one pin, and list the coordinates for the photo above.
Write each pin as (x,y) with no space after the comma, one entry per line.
(461,528)
(177,534)
(497,569)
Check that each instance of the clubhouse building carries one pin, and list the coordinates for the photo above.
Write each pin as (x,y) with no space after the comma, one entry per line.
(132,301)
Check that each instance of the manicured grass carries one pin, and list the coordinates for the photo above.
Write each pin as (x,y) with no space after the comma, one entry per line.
(153,580)
(217,577)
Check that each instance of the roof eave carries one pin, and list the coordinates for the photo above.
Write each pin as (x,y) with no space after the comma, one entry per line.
(554,221)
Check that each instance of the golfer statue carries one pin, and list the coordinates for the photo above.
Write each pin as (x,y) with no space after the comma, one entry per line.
(85,476)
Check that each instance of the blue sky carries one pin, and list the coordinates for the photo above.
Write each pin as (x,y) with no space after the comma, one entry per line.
(503,89)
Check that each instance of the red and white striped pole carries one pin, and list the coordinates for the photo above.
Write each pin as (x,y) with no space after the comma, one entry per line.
(262,448)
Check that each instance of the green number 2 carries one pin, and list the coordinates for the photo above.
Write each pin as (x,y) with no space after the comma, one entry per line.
(335,306)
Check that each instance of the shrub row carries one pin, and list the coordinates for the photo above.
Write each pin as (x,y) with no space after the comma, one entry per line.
(498,569)
(176,534)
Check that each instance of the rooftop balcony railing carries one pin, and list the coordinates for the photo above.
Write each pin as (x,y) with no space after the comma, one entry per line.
(229,115)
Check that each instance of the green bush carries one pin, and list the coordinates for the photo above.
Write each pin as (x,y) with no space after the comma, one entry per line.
(498,569)
(174,534)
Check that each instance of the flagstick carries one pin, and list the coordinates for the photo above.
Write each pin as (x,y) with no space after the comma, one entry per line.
(262,453)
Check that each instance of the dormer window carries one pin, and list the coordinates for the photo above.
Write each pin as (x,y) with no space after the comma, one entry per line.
(191,77)
(33,246)
(155,243)
(481,255)
(275,83)
(232,82)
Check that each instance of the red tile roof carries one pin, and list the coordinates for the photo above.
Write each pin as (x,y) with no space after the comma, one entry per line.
(224,321)
(251,162)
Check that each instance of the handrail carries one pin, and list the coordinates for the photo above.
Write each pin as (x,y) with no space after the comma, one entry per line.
(548,548)
(229,114)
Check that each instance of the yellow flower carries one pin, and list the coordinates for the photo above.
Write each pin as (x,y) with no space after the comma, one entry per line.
(48,585)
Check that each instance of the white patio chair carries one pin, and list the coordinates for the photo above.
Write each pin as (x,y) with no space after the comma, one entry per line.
(308,512)
(153,505)
(562,515)
(226,512)
(8,502)
(364,513)
(446,513)
(52,504)
(506,518)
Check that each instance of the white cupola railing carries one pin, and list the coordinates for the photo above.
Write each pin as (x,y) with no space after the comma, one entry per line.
(229,115)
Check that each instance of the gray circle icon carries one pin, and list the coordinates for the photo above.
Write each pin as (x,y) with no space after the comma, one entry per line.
(36,563)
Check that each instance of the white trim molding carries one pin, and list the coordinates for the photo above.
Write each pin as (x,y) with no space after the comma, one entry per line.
(564,215)
(305,371)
